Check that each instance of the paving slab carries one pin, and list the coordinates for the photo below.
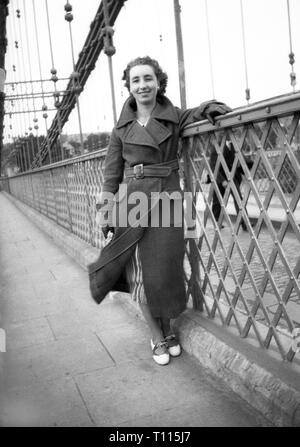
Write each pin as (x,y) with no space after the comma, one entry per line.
(161,396)
(55,403)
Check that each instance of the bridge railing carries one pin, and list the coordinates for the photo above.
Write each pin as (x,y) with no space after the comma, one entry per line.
(248,278)
(65,192)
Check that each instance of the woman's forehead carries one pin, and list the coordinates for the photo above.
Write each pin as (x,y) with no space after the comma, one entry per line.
(141,70)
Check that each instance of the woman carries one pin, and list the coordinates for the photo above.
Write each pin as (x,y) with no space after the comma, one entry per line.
(142,156)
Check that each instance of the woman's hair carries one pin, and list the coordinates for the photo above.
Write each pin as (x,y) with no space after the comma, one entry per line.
(162,77)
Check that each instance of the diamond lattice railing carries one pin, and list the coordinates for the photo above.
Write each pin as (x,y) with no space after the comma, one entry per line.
(249,276)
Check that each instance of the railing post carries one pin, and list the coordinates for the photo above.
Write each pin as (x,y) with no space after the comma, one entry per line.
(68,201)
(194,286)
(46,194)
(54,195)
(32,189)
(181,69)
(88,205)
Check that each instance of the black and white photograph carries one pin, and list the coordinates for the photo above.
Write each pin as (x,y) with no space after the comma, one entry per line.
(150,217)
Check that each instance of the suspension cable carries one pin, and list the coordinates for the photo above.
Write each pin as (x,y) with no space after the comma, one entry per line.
(75,74)
(28,54)
(17,125)
(14,85)
(209,51)
(40,69)
(44,107)
(247,90)
(23,157)
(109,50)
(16,47)
(54,78)
(291,54)
(30,75)
(27,158)
(161,40)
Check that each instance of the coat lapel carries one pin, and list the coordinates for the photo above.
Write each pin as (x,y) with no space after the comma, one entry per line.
(158,131)
(139,135)
(155,132)
(152,135)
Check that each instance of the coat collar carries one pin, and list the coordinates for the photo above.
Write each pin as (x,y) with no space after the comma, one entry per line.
(164,110)
(155,134)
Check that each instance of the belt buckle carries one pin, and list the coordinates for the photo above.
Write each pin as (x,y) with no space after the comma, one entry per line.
(139,171)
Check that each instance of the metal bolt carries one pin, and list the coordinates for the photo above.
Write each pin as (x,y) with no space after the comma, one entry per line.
(74,75)
(69,17)
(68,7)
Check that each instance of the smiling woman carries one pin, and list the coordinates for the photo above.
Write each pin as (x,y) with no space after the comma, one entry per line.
(142,156)
(146,82)
(143,87)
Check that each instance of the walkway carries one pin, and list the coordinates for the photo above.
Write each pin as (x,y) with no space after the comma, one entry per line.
(70,362)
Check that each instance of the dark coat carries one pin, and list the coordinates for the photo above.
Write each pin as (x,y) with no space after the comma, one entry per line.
(161,249)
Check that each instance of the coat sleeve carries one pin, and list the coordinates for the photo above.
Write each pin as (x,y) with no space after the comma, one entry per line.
(114,164)
(189,116)
(206,110)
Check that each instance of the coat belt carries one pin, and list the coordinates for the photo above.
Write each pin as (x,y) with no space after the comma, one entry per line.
(154,170)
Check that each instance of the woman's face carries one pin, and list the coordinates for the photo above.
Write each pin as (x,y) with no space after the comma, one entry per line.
(143,84)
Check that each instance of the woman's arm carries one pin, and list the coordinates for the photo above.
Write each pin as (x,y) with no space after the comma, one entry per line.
(207,110)
(113,176)
(114,164)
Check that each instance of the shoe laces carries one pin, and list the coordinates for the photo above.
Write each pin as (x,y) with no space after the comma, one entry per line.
(170,337)
(160,345)
(171,340)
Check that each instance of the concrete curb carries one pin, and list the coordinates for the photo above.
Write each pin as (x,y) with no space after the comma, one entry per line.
(230,358)
(278,401)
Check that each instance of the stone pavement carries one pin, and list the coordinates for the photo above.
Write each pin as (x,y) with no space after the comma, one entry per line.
(70,362)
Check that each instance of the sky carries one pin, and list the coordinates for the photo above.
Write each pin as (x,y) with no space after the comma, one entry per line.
(147,27)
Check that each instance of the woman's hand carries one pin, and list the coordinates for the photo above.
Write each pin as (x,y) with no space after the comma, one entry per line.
(104,206)
(211,109)
(106,229)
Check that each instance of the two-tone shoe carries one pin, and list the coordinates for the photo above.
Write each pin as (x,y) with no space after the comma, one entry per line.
(173,344)
(160,352)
